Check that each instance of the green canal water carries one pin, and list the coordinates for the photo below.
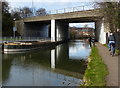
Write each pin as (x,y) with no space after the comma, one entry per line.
(61,65)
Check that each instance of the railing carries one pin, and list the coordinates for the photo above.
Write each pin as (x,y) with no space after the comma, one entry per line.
(68,10)
(74,9)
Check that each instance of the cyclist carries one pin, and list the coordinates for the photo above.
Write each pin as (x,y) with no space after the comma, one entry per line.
(111,39)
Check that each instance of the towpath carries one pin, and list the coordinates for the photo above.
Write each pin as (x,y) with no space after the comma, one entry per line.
(112,64)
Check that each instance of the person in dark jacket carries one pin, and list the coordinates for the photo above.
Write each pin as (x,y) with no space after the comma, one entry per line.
(90,39)
(93,41)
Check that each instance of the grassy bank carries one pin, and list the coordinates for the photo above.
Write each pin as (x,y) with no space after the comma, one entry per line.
(96,71)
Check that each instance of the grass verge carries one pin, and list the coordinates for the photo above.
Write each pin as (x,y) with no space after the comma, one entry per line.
(96,70)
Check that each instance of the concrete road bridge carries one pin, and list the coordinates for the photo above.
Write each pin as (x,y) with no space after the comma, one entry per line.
(56,26)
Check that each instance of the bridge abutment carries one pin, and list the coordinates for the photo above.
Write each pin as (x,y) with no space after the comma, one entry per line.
(100,31)
(62,31)
(59,30)
(36,30)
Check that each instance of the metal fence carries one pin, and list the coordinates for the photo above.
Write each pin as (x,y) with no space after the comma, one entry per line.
(74,9)
(68,10)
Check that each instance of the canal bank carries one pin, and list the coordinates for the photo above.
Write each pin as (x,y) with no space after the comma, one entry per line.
(96,71)
(111,78)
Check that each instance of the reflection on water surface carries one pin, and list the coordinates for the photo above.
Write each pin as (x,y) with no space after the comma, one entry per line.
(63,65)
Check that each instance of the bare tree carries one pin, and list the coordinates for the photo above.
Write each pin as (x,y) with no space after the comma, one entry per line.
(40,12)
(7,22)
(26,11)
(111,12)
(19,13)
(16,14)
(5,7)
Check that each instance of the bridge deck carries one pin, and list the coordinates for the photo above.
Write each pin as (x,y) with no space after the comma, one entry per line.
(70,15)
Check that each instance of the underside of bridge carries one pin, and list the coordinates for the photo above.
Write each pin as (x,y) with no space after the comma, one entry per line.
(58,30)
(56,26)
(37,29)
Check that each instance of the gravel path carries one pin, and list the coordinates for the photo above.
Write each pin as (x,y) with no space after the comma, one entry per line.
(112,64)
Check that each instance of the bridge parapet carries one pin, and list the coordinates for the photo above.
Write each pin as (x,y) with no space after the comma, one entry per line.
(91,6)
(79,14)
(74,9)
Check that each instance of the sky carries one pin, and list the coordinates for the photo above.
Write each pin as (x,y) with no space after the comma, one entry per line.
(51,5)
(47,5)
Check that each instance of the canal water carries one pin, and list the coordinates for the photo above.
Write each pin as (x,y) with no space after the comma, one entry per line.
(61,65)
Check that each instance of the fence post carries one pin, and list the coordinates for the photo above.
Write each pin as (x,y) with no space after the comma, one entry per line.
(64,10)
(5,39)
(56,11)
(11,39)
(16,38)
(29,38)
(50,12)
(83,8)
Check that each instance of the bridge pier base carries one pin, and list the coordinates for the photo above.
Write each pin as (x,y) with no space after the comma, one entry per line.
(52,30)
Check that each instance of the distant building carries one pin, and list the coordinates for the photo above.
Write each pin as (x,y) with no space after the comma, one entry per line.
(82,32)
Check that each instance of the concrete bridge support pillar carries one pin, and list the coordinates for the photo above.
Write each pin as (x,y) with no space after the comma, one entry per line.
(62,31)
(52,30)
(59,30)
(100,31)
